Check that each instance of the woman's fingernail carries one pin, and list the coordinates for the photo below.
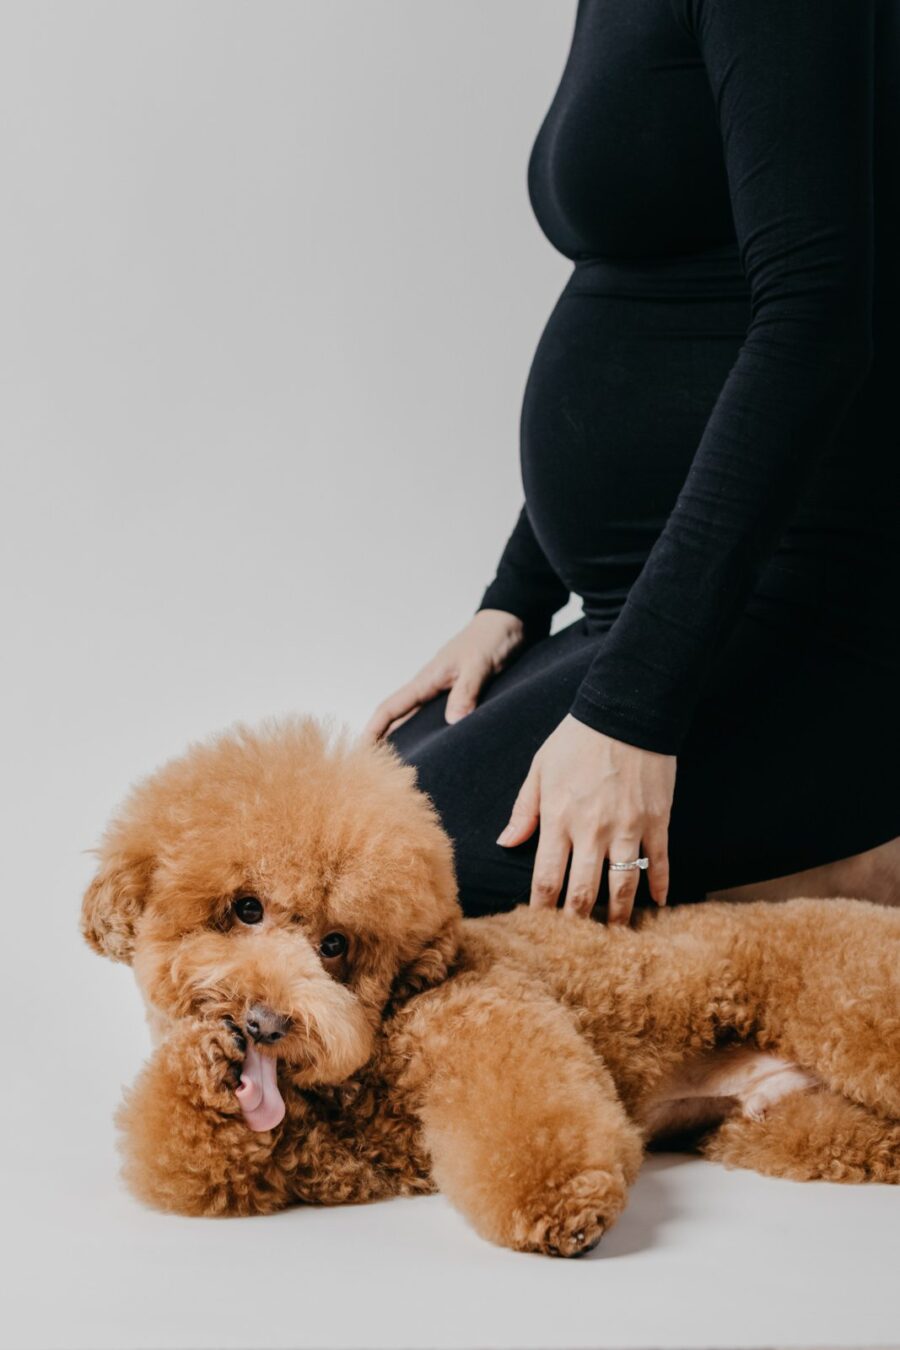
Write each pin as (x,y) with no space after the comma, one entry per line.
(505,835)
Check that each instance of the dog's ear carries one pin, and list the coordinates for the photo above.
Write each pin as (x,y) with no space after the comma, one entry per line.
(113,903)
(432,965)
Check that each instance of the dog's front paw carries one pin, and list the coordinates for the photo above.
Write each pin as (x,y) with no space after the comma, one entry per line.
(571,1218)
(214,1053)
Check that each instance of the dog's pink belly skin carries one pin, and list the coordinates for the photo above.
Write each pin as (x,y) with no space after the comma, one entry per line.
(705,1091)
(258,1094)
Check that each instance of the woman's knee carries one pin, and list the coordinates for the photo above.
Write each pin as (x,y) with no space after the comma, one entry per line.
(472,809)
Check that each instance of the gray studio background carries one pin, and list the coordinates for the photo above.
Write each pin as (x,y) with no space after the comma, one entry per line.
(271,286)
(269,289)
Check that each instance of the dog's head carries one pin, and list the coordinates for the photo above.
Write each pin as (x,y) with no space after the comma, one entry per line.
(290,879)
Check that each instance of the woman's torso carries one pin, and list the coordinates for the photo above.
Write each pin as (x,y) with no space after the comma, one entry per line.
(627,178)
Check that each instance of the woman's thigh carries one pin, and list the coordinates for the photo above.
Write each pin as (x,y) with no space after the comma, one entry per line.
(789,764)
(473,769)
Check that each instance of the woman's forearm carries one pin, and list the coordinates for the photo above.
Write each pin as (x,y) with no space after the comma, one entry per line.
(526,584)
(792,84)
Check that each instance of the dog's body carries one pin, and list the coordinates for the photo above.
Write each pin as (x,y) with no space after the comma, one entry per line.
(518,1063)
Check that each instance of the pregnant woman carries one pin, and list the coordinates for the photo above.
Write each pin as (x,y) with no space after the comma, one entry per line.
(711,462)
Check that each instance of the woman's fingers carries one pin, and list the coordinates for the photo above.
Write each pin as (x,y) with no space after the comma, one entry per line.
(463,696)
(405,700)
(464,688)
(386,713)
(549,867)
(587,870)
(525,814)
(584,881)
(398,721)
(553,844)
(623,885)
(594,797)
(486,644)
(656,847)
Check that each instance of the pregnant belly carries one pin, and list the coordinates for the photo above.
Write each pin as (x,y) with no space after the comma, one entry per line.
(624,378)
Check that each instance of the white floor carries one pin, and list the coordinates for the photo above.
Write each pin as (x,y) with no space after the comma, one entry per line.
(702,1258)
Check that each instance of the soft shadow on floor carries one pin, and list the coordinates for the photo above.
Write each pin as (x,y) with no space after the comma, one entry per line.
(649,1209)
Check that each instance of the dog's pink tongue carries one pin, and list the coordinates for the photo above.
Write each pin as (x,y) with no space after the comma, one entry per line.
(261,1102)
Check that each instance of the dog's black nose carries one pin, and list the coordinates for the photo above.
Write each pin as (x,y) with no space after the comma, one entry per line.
(266,1026)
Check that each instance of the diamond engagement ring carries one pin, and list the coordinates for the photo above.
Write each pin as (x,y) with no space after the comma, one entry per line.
(642,863)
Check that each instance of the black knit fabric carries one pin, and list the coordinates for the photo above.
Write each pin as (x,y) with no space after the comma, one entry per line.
(709,428)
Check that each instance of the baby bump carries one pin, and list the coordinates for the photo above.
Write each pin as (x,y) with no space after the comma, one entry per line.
(618,395)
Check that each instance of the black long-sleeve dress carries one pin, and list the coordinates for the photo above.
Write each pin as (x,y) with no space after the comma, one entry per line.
(709,436)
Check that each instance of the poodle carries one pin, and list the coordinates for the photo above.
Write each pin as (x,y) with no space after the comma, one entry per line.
(329,1029)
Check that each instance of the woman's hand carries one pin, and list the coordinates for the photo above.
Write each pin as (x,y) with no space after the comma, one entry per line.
(483,647)
(594,798)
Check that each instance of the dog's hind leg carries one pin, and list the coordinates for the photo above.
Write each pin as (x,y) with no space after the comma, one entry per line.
(832,972)
(811,1136)
(851,1027)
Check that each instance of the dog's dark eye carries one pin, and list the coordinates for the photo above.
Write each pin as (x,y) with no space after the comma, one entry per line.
(248,908)
(333,945)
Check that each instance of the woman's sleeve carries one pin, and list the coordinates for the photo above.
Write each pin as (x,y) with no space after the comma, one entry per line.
(526,585)
(792,82)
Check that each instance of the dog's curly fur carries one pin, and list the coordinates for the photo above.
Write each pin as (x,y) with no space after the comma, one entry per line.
(510,1062)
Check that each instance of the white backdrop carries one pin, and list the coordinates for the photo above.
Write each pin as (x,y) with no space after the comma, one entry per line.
(269,289)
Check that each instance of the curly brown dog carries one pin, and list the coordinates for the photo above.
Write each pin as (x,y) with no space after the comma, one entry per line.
(287,899)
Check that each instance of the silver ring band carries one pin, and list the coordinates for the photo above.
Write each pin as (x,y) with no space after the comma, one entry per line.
(642,863)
